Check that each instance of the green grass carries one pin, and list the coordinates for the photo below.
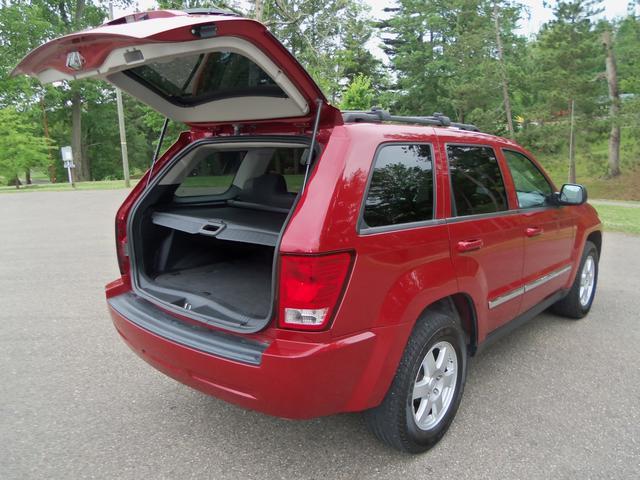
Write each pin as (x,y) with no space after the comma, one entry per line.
(58,187)
(619,218)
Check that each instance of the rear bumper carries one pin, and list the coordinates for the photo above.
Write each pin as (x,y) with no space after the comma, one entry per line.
(284,378)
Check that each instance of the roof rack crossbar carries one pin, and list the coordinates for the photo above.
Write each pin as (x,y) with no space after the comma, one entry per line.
(465,126)
(377,115)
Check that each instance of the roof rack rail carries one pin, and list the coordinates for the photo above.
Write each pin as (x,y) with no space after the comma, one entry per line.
(378,115)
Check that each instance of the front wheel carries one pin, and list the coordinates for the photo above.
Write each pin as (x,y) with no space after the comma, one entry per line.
(578,301)
(426,391)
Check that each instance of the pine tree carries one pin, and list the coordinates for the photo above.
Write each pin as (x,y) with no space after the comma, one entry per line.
(453,56)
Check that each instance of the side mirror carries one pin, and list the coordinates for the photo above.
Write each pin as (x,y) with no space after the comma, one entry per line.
(571,194)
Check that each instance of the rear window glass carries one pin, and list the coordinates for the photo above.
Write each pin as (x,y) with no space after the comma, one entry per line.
(476,180)
(288,163)
(193,79)
(401,189)
(217,171)
(212,175)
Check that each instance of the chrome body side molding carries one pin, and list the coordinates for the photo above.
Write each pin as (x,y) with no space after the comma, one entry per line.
(528,287)
(546,278)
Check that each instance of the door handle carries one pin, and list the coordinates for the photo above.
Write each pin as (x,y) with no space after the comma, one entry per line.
(470,245)
(534,231)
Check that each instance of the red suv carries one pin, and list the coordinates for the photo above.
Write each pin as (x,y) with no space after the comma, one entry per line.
(301,261)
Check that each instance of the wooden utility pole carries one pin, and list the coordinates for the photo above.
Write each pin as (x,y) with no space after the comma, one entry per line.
(45,127)
(80,171)
(572,146)
(123,134)
(503,71)
(614,108)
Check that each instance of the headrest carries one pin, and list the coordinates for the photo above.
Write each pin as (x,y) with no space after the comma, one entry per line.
(265,185)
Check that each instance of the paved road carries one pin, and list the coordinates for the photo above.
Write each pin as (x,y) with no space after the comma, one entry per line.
(556,399)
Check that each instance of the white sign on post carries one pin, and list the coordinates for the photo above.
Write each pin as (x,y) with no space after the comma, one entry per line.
(67,159)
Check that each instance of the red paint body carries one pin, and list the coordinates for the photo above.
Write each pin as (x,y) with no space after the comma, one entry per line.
(395,275)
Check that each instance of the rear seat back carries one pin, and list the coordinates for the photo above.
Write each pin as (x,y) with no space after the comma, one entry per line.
(269,189)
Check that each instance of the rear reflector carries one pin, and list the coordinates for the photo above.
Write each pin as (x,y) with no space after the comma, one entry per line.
(310,289)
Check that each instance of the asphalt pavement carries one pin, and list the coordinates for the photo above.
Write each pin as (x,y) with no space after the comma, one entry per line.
(555,399)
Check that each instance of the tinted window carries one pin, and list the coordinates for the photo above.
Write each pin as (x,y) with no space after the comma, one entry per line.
(193,79)
(289,163)
(212,175)
(476,180)
(401,189)
(532,187)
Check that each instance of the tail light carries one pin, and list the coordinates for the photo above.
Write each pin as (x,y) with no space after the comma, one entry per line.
(311,288)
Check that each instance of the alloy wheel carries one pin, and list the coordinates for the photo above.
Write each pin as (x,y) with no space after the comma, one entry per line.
(435,384)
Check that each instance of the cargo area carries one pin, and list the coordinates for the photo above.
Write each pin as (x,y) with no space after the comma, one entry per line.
(205,236)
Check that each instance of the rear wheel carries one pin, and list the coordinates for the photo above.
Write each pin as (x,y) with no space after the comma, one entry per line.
(426,391)
(578,301)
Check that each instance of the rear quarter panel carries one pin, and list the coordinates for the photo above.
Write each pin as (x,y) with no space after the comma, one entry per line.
(396,274)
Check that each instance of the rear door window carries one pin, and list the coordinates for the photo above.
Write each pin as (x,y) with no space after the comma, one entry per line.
(476,181)
(401,188)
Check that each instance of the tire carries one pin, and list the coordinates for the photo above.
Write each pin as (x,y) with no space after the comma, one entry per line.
(394,420)
(574,305)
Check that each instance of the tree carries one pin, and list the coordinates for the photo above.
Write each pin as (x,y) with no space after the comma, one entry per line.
(353,57)
(46,19)
(568,61)
(22,26)
(614,108)
(231,5)
(503,70)
(452,56)
(627,40)
(359,95)
(626,52)
(315,32)
(461,57)
(21,148)
(569,55)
